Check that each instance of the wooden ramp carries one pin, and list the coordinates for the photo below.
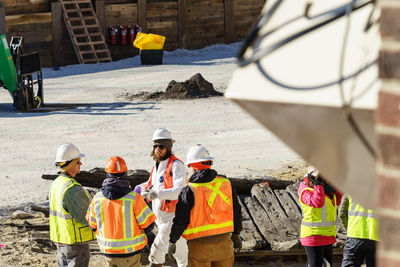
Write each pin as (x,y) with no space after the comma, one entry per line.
(84,30)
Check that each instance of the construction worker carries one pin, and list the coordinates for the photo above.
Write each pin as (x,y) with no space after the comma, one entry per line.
(208,215)
(68,205)
(362,233)
(167,178)
(120,217)
(319,201)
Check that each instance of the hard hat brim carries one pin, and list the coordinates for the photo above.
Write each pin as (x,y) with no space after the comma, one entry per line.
(198,160)
(172,140)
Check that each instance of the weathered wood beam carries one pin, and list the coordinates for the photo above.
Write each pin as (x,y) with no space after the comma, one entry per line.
(251,237)
(100,13)
(286,229)
(29,18)
(228,12)
(57,29)
(142,14)
(182,23)
(2,20)
(94,178)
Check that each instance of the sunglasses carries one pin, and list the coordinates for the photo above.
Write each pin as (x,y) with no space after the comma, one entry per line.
(159,146)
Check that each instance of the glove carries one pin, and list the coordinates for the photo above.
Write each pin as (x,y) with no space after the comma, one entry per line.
(237,242)
(171,250)
(138,189)
(146,192)
(152,195)
(316,182)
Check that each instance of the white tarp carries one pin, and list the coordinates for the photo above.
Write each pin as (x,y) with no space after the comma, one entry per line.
(300,85)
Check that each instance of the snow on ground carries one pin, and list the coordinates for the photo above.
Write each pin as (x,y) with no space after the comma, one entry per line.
(112,125)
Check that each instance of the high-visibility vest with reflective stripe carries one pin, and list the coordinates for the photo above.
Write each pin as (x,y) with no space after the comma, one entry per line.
(318,221)
(362,223)
(167,205)
(119,222)
(212,213)
(65,229)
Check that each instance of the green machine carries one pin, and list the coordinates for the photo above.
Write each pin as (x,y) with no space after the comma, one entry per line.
(21,74)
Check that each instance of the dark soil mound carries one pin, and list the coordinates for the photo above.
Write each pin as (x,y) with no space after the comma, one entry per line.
(195,87)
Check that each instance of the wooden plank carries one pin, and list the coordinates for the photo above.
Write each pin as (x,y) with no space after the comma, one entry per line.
(292,189)
(100,13)
(228,15)
(251,237)
(261,219)
(57,33)
(32,33)
(289,205)
(121,15)
(164,6)
(18,7)
(279,218)
(28,18)
(142,14)
(2,20)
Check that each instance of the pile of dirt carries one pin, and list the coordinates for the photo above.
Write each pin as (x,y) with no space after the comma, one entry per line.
(195,87)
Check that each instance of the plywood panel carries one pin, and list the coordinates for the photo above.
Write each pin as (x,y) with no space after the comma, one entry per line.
(125,14)
(28,18)
(17,7)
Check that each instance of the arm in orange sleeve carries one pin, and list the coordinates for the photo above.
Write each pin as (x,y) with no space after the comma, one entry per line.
(144,215)
(91,216)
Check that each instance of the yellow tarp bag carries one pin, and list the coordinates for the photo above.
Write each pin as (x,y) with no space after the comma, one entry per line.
(149,41)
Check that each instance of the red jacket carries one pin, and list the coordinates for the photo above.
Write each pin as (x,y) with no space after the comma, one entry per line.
(316,199)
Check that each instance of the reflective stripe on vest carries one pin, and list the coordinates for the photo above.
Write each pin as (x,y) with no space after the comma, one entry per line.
(318,221)
(110,238)
(167,205)
(64,229)
(362,223)
(212,213)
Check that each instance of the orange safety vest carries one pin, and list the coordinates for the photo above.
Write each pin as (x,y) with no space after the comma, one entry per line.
(167,205)
(120,223)
(212,213)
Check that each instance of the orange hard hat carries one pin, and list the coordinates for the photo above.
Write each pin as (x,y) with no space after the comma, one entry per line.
(116,164)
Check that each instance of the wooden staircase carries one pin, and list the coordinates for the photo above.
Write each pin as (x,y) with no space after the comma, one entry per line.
(84,30)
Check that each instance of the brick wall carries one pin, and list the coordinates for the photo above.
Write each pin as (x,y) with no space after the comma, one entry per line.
(388,130)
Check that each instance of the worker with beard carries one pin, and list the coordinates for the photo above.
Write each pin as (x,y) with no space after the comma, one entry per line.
(319,202)
(167,178)
(208,215)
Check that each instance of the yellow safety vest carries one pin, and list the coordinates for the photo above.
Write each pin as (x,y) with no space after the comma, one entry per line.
(318,221)
(212,213)
(362,223)
(119,223)
(65,229)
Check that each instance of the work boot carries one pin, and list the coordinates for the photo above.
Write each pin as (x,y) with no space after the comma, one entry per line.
(155,265)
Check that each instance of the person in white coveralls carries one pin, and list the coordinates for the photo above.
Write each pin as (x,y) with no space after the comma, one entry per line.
(167,178)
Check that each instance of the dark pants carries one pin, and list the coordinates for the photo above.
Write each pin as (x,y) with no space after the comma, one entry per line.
(316,255)
(73,255)
(356,250)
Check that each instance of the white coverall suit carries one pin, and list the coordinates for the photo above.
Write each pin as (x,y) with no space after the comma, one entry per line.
(164,219)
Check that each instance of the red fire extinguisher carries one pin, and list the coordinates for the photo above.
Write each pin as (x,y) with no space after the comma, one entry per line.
(113,36)
(123,33)
(131,34)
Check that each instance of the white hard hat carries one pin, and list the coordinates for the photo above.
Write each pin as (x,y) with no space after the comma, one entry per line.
(313,171)
(68,152)
(197,154)
(162,133)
